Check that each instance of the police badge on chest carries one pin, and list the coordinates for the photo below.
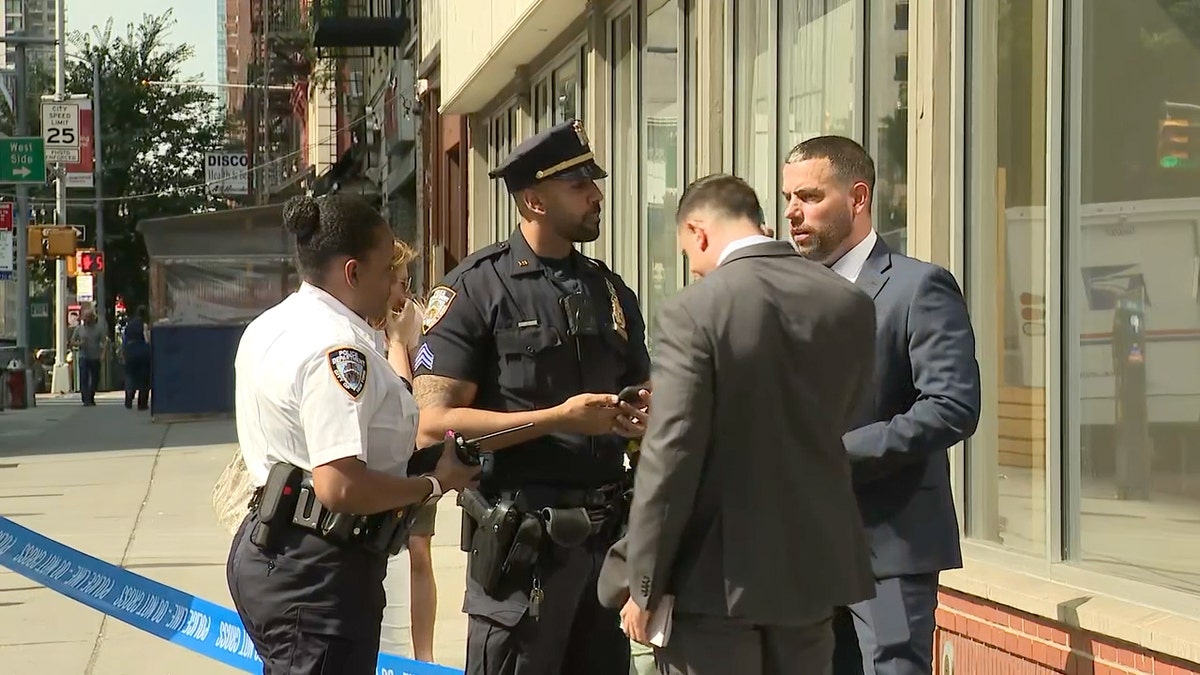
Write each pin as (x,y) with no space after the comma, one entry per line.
(349,368)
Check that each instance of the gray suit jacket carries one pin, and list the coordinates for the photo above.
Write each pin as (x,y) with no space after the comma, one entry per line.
(743,505)
(924,400)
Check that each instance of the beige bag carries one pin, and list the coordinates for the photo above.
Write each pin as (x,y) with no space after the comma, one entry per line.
(231,495)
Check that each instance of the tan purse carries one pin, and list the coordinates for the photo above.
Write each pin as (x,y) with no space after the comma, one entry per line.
(232,492)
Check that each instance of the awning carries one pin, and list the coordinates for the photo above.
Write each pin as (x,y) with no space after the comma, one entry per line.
(253,231)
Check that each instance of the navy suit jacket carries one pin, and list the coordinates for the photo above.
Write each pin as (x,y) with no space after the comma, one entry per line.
(925,400)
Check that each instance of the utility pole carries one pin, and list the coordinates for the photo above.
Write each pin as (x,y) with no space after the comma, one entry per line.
(21,215)
(98,183)
(263,158)
(61,379)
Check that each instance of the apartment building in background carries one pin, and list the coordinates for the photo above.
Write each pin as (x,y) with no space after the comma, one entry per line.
(1051,162)
(35,18)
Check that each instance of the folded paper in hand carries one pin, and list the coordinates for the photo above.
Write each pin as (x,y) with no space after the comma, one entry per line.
(659,629)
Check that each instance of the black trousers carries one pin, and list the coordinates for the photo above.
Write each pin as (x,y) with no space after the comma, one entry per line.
(89,379)
(311,607)
(137,381)
(573,634)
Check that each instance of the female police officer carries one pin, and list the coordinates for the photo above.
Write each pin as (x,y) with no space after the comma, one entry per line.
(321,414)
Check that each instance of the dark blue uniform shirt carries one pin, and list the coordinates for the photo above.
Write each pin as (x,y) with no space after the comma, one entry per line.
(498,321)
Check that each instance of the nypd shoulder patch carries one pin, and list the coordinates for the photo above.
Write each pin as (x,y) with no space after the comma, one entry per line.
(439,303)
(349,368)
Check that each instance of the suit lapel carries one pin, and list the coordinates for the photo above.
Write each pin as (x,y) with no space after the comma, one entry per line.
(875,270)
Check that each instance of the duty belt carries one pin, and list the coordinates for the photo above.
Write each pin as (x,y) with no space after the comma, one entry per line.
(571,516)
(538,496)
(289,500)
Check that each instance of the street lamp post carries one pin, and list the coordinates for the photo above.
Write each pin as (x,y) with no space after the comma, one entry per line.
(101,301)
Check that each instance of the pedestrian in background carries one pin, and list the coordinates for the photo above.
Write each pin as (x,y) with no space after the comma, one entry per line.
(135,352)
(924,400)
(90,340)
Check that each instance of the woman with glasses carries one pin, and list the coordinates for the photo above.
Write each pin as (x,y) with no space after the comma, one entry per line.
(408,628)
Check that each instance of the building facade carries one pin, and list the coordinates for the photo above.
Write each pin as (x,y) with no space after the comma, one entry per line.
(33,18)
(1050,161)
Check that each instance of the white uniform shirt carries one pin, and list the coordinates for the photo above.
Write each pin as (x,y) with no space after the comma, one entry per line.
(312,387)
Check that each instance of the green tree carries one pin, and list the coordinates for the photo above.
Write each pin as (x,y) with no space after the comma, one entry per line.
(154,138)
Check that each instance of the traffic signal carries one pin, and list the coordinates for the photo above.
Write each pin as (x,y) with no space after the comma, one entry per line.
(89,261)
(51,242)
(1178,144)
(72,267)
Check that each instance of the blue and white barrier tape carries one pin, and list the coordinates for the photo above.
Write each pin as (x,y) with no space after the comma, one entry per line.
(169,613)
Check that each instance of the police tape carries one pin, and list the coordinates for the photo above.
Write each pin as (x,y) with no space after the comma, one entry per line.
(190,622)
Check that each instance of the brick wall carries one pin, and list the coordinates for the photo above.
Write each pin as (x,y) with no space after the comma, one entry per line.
(977,637)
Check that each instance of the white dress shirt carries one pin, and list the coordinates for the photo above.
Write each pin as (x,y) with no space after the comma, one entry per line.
(737,244)
(850,265)
(312,387)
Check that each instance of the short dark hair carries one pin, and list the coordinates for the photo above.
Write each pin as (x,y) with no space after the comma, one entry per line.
(328,227)
(849,160)
(729,195)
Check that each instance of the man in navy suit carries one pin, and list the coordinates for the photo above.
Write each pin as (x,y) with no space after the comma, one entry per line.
(925,400)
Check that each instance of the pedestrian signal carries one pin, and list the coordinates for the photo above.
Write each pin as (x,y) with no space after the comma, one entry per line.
(89,261)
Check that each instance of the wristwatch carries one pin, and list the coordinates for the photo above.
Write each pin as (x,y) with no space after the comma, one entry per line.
(437,488)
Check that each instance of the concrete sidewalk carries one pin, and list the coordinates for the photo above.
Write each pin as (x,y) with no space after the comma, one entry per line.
(112,483)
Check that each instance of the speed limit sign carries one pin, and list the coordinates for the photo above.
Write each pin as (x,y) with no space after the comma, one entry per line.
(60,131)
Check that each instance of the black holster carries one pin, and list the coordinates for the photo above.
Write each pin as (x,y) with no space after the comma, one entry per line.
(503,543)
(289,499)
(276,504)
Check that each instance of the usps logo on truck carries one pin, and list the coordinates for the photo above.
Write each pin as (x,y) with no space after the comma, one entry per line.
(227,173)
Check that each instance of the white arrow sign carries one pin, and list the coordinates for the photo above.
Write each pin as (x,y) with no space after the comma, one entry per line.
(22,172)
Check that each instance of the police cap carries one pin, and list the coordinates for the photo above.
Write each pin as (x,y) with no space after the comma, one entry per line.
(561,152)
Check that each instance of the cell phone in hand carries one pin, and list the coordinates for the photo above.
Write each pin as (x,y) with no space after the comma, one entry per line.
(630,395)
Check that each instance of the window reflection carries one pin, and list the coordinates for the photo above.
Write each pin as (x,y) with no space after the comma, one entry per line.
(1006,281)
(816,69)
(888,105)
(660,112)
(566,82)
(621,192)
(1134,225)
(753,149)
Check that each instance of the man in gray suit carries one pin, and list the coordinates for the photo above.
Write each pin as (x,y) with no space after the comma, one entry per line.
(743,511)
(924,400)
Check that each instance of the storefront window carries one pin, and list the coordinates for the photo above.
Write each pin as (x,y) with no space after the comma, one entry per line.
(754,90)
(817,66)
(1133,215)
(1006,270)
(888,112)
(660,170)
(621,188)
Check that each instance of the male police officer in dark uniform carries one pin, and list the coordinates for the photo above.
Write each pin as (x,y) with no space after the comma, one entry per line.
(530,331)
